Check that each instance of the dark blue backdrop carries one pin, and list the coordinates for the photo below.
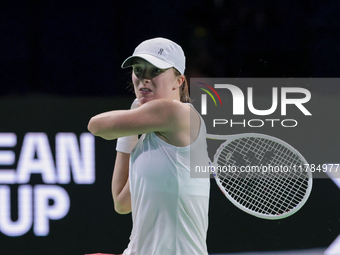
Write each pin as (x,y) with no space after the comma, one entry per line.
(76,47)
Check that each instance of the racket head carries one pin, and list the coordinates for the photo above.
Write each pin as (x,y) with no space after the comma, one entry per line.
(271,195)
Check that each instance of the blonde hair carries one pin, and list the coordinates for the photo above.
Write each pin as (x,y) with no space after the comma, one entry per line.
(184,89)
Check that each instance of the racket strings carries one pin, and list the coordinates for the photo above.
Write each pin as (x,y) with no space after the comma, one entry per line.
(254,199)
(264,192)
(296,189)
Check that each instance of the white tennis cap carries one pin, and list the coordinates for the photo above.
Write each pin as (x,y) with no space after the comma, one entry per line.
(160,52)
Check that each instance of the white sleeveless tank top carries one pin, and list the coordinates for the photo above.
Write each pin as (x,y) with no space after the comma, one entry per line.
(169,209)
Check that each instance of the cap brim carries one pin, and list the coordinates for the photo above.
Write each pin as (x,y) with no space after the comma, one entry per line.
(151,59)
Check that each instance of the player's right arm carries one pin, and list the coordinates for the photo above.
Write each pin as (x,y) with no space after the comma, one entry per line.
(120,178)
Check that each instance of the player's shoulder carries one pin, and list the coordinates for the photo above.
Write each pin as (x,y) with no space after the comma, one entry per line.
(167,106)
(172,112)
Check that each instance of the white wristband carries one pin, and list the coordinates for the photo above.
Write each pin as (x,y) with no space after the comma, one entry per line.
(126,144)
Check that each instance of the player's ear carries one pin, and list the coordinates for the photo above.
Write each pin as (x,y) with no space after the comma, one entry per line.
(179,81)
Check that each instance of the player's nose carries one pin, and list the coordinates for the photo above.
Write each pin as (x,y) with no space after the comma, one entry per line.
(145,76)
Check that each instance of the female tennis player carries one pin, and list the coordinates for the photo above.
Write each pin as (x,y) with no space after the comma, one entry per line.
(151,176)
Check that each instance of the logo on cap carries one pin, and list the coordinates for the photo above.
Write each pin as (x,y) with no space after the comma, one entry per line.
(160,51)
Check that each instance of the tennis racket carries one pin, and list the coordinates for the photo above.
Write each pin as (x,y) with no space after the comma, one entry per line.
(261,175)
